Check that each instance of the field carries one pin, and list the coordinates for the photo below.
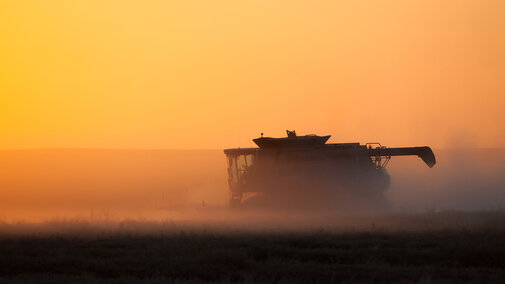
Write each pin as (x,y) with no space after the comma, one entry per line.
(138,216)
(430,247)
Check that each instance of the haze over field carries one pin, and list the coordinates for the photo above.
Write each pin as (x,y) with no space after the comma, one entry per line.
(40,185)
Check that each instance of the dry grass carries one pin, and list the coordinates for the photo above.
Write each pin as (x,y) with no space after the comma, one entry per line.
(430,247)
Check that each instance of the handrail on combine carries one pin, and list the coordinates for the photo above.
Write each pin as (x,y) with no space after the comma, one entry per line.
(381,157)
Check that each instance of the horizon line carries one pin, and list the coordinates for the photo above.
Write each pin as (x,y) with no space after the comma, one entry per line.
(195,149)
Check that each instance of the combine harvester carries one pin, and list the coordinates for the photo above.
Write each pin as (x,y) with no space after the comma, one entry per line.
(304,171)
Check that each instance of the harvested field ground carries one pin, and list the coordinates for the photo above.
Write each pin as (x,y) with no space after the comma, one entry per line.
(450,247)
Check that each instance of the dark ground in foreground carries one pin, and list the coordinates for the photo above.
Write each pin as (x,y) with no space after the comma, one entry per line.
(473,253)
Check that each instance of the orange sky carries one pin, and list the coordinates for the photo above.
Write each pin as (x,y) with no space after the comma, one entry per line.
(213,74)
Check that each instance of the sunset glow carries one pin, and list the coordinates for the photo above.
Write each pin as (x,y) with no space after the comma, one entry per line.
(213,74)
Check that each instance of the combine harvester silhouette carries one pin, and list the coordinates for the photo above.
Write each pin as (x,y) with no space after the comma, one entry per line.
(304,170)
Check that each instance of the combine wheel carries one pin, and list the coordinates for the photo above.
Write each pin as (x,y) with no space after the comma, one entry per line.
(235,199)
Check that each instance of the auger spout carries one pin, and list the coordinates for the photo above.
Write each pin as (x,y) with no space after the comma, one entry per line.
(425,153)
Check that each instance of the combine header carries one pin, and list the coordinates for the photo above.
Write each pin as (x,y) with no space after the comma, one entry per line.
(307,167)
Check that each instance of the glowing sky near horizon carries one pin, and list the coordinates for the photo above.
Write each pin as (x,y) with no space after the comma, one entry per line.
(213,74)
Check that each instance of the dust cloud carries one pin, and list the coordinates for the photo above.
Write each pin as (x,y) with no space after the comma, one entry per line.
(462,179)
(103,185)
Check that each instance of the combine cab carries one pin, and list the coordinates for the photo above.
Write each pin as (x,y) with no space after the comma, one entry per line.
(304,170)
